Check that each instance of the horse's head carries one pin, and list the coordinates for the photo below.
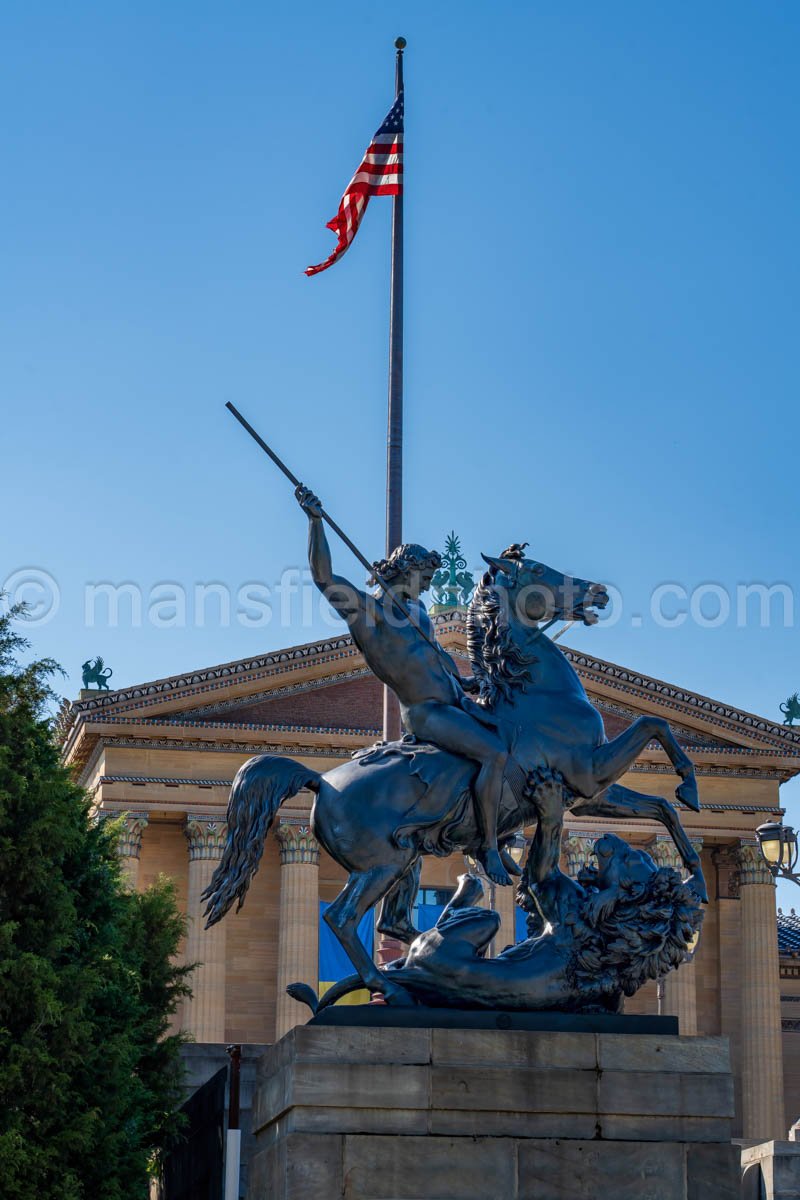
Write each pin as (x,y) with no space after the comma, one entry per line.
(540,593)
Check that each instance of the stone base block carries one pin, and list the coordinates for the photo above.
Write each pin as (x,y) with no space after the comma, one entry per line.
(771,1171)
(444,1114)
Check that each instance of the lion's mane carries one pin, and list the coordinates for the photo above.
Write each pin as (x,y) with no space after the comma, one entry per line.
(645,934)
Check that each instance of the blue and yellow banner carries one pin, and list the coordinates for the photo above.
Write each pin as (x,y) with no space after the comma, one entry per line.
(334,963)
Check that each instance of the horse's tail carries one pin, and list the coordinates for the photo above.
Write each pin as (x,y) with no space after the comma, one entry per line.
(259,789)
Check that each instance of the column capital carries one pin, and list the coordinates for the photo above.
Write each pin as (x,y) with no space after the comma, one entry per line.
(577,849)
(297,843)
(130,837)
(206,836)
(665,853)
(751,865)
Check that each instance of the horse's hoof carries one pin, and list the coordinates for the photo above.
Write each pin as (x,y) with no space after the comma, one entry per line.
(699,885)
(398,997)
(686,792)
(403,933)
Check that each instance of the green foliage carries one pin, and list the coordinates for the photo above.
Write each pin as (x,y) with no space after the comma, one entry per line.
(89,1075)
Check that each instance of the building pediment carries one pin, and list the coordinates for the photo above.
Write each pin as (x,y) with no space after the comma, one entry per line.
(325,689)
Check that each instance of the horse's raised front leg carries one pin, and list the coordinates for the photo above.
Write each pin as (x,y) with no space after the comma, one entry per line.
(612,759)
(362,890)
(621,802)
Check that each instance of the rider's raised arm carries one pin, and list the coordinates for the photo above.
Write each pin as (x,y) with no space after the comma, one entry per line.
(348,601)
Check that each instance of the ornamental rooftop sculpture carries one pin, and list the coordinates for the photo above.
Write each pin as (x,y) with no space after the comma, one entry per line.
(96,672)
(791,709)
(452,586)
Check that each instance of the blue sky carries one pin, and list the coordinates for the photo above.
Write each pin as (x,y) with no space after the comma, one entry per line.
(601,300)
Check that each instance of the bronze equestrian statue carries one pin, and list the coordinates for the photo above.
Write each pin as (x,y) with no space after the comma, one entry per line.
(377,814)
(434,706)
(622,923)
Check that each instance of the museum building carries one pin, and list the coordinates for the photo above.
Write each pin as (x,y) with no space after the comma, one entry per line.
(165,754)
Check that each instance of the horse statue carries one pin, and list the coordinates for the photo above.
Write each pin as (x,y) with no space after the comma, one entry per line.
(791,709)
(586,959)
(94,672)
(377,814)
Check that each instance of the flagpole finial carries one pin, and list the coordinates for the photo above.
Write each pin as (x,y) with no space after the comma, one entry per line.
(400,44)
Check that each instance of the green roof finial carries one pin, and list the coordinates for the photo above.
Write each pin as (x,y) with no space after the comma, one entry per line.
(790,710)
(453,584)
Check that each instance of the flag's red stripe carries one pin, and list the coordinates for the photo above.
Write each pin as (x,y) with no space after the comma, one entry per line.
(377,177)
(395,147)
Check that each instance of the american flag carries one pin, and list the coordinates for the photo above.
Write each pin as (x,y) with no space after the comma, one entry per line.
(380,173)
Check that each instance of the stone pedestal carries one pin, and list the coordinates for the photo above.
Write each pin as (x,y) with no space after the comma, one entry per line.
(771,1171)
(473,1114)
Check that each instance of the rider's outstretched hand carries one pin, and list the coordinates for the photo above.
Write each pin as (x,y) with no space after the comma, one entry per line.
(309,503)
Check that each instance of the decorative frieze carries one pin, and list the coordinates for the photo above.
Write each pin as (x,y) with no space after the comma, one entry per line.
(206,837)
(297,843)
(752,868)
(130,838)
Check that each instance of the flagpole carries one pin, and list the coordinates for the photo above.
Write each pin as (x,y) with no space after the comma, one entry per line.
(394,433)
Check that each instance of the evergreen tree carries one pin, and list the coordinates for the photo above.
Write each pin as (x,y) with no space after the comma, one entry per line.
(89,1076)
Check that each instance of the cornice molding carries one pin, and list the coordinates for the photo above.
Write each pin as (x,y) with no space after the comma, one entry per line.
(168,780)
(778,739)
(681,700)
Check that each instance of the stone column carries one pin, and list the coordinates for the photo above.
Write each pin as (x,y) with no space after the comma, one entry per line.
(762,1063)
(298,924)
(204,1010)
(130,845)
(680,985)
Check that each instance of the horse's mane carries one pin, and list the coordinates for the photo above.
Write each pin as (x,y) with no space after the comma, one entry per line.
(499,665)
(643,936)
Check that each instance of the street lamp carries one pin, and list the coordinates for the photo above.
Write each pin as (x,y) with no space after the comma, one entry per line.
(778,846)
(514,846)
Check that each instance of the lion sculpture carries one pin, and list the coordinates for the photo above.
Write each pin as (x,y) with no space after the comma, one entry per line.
(625,922)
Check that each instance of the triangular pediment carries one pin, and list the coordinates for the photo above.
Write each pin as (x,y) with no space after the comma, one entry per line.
(326,686)
(353,704)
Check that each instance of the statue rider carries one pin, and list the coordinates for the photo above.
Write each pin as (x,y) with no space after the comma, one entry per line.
(433,703)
